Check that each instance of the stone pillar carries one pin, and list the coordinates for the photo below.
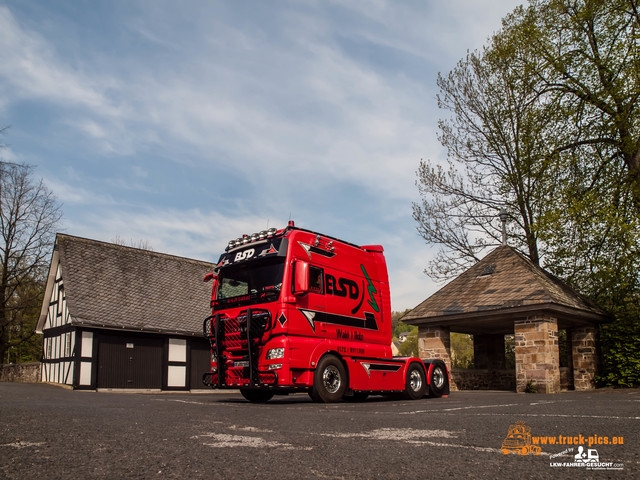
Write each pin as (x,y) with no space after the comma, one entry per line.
(435,342)
(583,353)
(488,352)
(537,355)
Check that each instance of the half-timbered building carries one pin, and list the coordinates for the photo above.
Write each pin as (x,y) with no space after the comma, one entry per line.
(121,317)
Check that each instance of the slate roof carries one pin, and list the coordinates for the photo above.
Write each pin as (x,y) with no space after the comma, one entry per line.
(117,287)
(504,283)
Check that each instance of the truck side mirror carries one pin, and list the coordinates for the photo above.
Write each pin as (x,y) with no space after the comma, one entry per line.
(301,278)
(214,277)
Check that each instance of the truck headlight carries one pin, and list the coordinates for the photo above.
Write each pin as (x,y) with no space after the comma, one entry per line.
(274,353)
(275,366)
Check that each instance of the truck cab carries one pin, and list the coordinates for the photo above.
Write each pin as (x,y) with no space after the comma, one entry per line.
(295,310)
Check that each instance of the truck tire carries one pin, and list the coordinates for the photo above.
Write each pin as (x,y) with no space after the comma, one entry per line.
(329,380)
(256,396)
(416,382)
(437,380)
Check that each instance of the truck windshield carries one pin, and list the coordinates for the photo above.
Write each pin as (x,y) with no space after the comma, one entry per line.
(250,283)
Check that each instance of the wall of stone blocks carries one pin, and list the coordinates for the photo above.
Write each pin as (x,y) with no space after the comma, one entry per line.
(20,372)
(584,355)
(484,379)
(537,355)
(435,343)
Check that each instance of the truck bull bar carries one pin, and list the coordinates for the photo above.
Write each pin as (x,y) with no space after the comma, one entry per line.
(257,323)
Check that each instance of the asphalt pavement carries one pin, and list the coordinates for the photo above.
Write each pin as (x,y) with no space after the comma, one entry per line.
(52,432)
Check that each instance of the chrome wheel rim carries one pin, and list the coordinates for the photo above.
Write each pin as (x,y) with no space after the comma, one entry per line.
(415,380)
(331,379)
(438,377)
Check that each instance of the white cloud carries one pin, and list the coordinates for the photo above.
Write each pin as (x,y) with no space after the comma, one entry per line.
(34,70)
(244,115)
(191,233)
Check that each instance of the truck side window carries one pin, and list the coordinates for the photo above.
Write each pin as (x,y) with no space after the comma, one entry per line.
(316,280)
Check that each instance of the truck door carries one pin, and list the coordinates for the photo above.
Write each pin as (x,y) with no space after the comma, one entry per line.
(312,306)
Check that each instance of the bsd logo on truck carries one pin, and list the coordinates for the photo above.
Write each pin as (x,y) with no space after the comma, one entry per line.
(244,255)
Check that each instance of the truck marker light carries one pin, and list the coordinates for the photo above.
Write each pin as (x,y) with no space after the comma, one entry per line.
(282,319)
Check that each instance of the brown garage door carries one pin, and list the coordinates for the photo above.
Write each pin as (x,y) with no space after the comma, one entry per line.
(200,362)
(129,361)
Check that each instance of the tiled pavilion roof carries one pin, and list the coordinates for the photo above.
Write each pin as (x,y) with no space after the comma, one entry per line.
(503,287)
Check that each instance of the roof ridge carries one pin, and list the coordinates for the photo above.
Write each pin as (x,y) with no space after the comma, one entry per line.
(126,247)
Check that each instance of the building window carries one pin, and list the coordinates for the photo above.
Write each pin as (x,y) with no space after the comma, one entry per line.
(67,345)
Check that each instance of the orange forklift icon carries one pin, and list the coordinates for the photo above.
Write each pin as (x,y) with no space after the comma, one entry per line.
(518,440)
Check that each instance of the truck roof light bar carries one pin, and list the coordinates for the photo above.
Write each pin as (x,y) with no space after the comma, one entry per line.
(254,237)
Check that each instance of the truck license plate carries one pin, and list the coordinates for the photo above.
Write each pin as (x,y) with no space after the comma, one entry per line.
(243,363)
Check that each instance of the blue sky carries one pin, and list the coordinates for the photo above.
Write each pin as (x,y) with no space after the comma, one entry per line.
(185,124)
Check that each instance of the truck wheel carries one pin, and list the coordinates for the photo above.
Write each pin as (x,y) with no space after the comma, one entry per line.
(437,380)
(329,380)
(256,396)
(416,383)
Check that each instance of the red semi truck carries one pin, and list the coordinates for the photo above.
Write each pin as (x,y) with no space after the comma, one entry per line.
(295,310)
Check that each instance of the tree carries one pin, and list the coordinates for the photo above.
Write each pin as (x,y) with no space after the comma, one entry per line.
(545,122)
(497,139)
(29,213)
(408,348)
(588,52)
(139,244)
(462,353)
(588,58)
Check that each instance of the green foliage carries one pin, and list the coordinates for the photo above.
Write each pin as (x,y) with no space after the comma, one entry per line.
(620,344)
(395,319)
(510,351)
(545,122)
(408,348)
(24,344)
(462,350)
